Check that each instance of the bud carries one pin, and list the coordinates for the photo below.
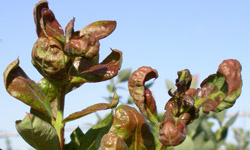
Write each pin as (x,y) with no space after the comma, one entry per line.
(49,59)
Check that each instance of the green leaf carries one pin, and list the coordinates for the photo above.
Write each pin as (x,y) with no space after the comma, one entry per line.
(132,128)
(188,143)
(110,88)
(18,85)
(93,108)
(38,133)
(141,95)
(231,120)
(170,86)
(207,129)
(76,136)
(219,91)
(124,75)
(209,145)
(47,89)
(92,138)
(100,29)
(220,116)
(194,82)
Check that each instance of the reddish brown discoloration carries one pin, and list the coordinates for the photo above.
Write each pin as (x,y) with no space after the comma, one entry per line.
(231,70)
(141,95)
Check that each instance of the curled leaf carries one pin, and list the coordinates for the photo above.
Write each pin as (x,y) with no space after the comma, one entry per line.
(101,72)
(69,30)
(111,141)
(37,16)
(20,86)
(38,133)
(132,128)
(142,96)
(49,60)
(219,91)
(46,23)
(99,29)
(172,132)
(93,108)
(183,81)
(85,46)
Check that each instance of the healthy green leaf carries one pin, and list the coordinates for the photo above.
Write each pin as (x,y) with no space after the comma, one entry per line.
(38,133)
(76,136)
(20,86)
(188,143)
(220,116)
(124,75)
(92,138)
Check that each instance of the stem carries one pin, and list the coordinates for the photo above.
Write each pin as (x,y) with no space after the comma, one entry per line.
(59,126)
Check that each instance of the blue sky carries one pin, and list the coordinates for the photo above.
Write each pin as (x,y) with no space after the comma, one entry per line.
(166,35)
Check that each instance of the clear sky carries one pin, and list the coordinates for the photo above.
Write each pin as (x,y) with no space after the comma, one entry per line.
(166,35)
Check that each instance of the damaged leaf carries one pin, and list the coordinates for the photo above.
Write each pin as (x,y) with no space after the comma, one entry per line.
(99,29)
(93,108)
(142,96)
(219,91)
(131,127)
(20,86)
(101,72)
(111,141)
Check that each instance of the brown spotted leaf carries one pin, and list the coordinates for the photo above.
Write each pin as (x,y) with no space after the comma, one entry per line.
(101,72)
(219,91)
(141,95)
(100,29)
(111,141)
(131,127)
(20,86)
(93,108)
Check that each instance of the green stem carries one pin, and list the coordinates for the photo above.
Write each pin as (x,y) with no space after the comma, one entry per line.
(59,126)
